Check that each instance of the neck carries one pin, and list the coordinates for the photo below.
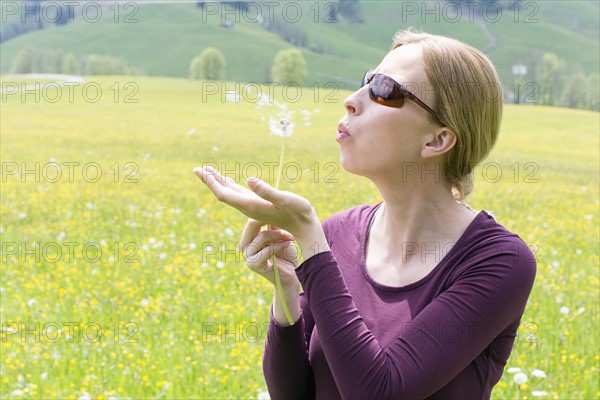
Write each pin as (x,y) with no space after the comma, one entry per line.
(419,212)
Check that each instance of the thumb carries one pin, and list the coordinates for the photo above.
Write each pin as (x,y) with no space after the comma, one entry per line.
(264,190)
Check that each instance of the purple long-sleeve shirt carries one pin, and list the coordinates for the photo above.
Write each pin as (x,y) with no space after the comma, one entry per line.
(446,336)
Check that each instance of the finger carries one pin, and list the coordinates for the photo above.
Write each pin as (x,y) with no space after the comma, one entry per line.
(208,172)
(264,190)
(258,262)
(226,190)
(288,253)
(250,231)
(262,240)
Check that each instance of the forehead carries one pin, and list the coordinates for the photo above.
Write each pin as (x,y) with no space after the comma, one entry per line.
(404,63)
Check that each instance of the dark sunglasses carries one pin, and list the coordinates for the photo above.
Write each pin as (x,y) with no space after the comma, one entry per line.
(386,91)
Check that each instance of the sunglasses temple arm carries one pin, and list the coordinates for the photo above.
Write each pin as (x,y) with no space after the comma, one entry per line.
(423,105)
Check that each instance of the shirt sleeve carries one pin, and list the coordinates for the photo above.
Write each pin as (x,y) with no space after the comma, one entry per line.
(285,361)
(483,301)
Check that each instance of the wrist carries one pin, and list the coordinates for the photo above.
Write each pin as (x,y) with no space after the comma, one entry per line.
(313,241)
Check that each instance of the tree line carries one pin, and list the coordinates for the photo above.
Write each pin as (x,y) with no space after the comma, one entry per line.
(551,81)
(32,60)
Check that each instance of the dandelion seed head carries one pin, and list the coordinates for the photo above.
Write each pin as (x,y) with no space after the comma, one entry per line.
(520,378)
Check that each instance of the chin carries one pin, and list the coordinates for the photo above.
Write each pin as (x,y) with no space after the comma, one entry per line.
(351,167)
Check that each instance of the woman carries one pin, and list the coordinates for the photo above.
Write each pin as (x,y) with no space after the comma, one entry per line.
(417,296)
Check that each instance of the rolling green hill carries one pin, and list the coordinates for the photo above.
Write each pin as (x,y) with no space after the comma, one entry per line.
(167,36)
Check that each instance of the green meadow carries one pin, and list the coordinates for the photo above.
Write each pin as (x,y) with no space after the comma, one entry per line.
(135,288)
(163,38)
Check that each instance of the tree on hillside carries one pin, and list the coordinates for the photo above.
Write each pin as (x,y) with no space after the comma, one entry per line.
(209,65)
(593,92)
(23,61)
(575,93)
(350,9)
(287,30)
(69,64)
(550,78)
(289,66)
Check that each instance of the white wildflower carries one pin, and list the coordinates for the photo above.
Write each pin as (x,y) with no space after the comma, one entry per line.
(513,370)
(220,264)
(538,373)
(263,396)
(564,310)
(520,378)
(539,393)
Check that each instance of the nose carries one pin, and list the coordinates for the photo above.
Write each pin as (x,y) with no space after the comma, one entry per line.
(352,102)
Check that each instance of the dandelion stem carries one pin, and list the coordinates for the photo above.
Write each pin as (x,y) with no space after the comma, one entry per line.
(275,270)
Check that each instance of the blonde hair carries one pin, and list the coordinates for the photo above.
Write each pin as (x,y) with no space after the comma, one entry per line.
(468,100)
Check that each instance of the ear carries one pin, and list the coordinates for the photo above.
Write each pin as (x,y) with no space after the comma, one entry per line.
(442,142)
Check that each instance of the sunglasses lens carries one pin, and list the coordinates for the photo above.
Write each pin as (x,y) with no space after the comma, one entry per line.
(365,79)
(384,90)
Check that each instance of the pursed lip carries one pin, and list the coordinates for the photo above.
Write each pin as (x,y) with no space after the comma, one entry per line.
(343,128)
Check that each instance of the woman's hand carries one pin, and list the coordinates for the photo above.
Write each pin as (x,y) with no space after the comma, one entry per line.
(258,247)
(274,207)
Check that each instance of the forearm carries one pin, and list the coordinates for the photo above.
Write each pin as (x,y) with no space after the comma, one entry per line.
(285,361)
(292,299)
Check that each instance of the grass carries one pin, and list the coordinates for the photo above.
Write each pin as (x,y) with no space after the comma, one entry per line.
(166,37)
(187,320)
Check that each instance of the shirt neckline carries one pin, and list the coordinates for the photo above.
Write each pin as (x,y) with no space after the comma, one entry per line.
(363,255)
